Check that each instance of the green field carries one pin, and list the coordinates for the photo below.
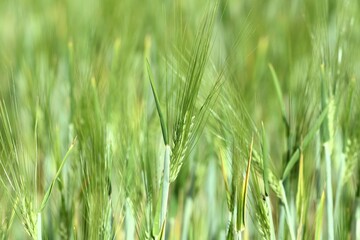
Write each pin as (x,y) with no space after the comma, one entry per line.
(180,119)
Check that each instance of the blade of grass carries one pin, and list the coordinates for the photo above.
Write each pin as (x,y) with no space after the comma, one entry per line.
(307,139)
(49,191)
(265,161)
(279,94)
(319,217)
(225,176)
(240,221)
(300,196)
(158,107)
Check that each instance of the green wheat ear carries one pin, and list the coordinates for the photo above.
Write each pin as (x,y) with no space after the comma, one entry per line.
(189,120)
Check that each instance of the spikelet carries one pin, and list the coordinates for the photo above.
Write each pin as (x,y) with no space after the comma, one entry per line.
(352,157)
(181,144)
(275,185)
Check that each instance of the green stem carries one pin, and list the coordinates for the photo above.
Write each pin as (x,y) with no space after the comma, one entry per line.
(287,212)
(338,192)
(186,218)
(166,185)
(272,230)
(129,221)
(281,224)
(329,194)
(38,226)
(357,219)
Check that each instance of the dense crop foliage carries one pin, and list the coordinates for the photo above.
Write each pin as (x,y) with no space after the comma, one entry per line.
(179,119)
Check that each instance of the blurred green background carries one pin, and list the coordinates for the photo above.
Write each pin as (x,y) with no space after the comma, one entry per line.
(78,70)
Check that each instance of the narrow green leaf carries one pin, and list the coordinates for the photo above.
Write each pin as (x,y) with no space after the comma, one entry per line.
(279,93)
(225,177)
(325,131)
(265,161)
(319,217)
(309,136)
(48,192)
(300,198)
(158,107)
(240,222)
